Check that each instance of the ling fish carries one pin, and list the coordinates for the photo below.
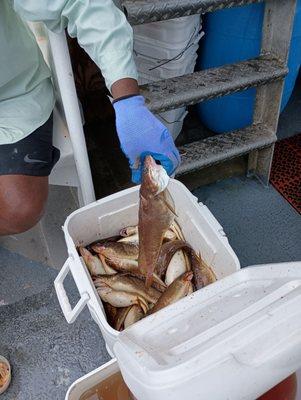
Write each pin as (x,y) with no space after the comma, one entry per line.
(131,267)
(179,288)
(203,274)
(127,316)
(130,284)
(130,234)
(93,263)
(119,298)
(167,252)
(156,214)
(134,315)
(116,249)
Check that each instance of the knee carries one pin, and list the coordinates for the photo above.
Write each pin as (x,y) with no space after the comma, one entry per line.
(26,217)
(22,217)
(21,207)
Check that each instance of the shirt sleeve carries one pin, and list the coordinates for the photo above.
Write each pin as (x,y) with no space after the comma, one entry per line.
(100,27)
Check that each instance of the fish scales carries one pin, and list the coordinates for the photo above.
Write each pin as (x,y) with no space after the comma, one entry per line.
(156,214)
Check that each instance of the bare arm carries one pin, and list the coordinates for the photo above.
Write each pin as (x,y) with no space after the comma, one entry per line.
(124,87)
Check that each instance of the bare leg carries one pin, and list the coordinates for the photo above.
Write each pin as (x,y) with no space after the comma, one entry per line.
(22,202)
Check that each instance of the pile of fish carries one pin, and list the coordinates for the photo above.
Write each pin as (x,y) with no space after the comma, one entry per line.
(146,267)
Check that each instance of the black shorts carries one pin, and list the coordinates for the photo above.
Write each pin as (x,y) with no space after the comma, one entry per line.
(34,155)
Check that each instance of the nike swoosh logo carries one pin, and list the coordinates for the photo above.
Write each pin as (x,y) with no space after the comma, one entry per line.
(32,160)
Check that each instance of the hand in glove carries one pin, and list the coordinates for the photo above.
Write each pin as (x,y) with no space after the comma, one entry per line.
(141,133)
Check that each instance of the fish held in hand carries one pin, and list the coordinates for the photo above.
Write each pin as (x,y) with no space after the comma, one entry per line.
(156,213)
(180,288)
(93,263)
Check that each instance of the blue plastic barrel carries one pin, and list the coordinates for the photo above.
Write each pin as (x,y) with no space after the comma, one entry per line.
(233,35)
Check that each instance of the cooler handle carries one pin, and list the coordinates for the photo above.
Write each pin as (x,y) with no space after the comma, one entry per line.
(69,313)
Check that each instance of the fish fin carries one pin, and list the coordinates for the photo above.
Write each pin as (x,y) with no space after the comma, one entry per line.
(170,207)
(142,303)
(187,262)
(177,230)
(190,290)
(143,201)
(108,269)
(158,280)
(168,201)
(82,251)
(121,316)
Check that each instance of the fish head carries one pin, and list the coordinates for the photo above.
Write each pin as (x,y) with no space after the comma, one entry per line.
(84,252)
(154,177)
(102,287)
(106,251)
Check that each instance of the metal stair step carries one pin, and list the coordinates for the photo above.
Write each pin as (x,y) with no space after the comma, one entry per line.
(143,11)
(216,149)
(215,82)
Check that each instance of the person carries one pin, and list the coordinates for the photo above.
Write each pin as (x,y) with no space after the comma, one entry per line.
(27,155)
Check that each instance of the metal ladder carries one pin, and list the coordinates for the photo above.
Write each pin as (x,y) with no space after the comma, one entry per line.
(266,73)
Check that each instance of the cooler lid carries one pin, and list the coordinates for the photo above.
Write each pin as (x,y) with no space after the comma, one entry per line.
(251,315)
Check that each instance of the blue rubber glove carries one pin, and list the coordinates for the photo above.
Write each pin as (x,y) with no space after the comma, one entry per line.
(140,134)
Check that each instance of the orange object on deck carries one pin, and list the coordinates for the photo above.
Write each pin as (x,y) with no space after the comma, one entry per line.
(285,390)
(286,170)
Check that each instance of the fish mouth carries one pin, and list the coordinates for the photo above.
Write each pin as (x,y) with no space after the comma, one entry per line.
(150,163)
(157,174)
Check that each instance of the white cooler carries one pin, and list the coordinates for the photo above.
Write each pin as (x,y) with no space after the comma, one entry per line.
(234,339)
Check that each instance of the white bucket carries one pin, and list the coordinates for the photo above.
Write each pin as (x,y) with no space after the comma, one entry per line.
(161,51)
(234,339)
(160,69)
(173,120)
(176,30)
(107,216)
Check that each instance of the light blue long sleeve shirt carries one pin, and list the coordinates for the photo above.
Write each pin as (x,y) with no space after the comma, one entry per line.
(26,94)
